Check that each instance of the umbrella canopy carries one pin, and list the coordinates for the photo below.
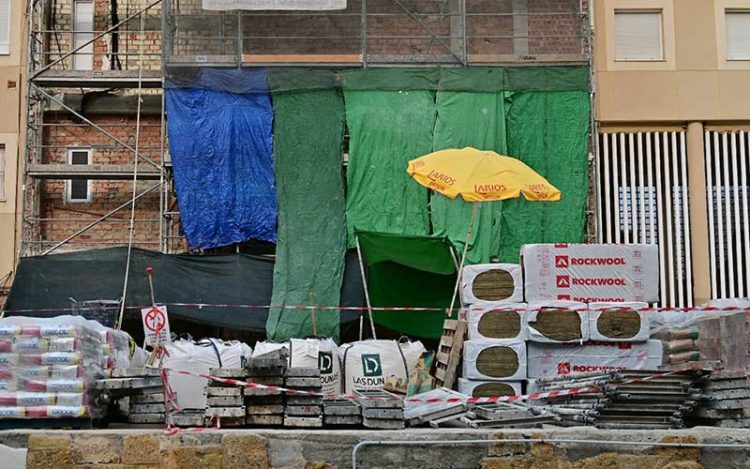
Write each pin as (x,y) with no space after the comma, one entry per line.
(480,176)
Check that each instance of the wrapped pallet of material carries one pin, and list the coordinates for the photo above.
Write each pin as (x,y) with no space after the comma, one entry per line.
(497,321)
(494,360)
(558,322)
(550,360)
(491,283)
(311,353)
(368,363)
(619,322)
(476,388)
(200,357)
(591,272)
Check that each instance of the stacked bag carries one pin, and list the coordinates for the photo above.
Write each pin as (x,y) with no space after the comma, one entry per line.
(48,366)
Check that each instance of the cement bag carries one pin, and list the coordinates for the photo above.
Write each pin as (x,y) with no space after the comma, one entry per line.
(619,322)
(491,283)
(488,388)
(494,360)
(368,363)
(497,322)
(591,272)
(311,353)
(558,322)
(549,360)
(186,355)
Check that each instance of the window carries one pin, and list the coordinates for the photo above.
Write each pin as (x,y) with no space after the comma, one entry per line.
(638,35)
(2,172)
(5,26)
(738,34)
(79,190)
(83,27)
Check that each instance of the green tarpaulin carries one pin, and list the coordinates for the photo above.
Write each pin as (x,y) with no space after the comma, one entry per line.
(308,132)
(409,271)
(387,129)
(549,132)
(469,120)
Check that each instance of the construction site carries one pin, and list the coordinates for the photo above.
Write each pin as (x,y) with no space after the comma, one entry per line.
(373,233)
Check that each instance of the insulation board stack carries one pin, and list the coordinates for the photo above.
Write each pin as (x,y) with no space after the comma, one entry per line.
(725,401)
(266,406)
(341,412)
(476,388)
(381,409)
(487,284)
(225,402)
(558,322)
(494,360)
(303,410)
(619,322)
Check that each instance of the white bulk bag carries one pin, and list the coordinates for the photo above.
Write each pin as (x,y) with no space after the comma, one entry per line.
(186,355)
(580,309)
(368,363)
(478,313)
(311,353)
(596,310)
(470,273)
(473,349)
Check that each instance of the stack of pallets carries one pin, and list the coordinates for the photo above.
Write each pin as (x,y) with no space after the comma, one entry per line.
(144,388)
(266,406)
(225,403)
(341,412)
(303,410)
(381,409)
(725,402)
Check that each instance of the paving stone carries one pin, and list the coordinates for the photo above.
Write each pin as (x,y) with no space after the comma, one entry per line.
(140,449)
(96,449)
(244,452)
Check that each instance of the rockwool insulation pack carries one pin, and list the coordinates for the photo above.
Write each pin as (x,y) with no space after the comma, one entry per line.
(619,322)
(558,322)
(476,388)
(547,360)
(491,283)
(494,360)
(488,322)
(591,272)
(311,353)
(367,364)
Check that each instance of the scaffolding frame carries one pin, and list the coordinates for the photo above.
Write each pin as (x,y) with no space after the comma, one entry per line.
(50,74)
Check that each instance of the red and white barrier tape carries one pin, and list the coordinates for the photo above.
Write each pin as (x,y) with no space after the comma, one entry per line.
(470,400)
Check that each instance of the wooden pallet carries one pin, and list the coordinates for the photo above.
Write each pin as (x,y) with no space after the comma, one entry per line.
(449,353)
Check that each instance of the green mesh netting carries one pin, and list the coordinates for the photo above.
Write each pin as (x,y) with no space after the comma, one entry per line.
(387,129)
(549,132)
(476,120)
(308,130)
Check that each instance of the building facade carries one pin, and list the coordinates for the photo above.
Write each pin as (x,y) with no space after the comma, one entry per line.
(12,43)
(673,108)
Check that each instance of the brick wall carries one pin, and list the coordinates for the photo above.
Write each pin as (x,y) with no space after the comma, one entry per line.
(59,218)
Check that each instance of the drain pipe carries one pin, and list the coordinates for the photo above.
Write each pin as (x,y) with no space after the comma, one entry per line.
(365,443)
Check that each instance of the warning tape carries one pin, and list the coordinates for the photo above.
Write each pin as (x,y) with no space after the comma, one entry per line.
(469,400)
(377,308)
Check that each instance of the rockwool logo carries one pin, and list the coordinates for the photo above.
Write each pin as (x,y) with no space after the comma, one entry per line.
(325,362)
(563,368)
(371,365)
(561,262)
(563,281)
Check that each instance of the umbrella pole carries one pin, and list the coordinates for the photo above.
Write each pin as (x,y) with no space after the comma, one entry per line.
(463,256)
(367,294)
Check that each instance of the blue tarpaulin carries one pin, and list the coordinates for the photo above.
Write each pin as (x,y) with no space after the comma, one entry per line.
(222,151)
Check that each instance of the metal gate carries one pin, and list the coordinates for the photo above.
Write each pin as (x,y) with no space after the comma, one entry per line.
(642,197)
(728,223)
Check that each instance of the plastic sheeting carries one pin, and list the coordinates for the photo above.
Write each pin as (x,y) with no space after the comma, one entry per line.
(549,132)
(44,282)
(308,132)
(222,151)
(409,271)
(387,129)
(469,120)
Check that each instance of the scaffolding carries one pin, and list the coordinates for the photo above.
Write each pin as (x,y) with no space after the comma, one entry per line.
(78,79)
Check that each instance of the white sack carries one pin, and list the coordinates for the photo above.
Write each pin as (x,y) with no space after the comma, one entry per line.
(311,353)
(368,363)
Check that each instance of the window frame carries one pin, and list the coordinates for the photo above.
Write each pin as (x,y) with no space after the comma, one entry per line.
(728,11)
(68,183)
(3,161)
(662,44)
(5,42)
(86,54)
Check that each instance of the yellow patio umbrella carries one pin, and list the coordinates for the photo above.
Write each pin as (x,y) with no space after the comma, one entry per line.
(479,176)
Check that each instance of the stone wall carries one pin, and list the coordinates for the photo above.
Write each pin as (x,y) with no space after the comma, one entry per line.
(300,449)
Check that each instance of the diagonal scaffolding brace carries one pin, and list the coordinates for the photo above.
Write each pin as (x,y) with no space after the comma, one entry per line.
(429,31)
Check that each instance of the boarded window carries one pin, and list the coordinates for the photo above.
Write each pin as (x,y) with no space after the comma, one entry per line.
(83,26)
(79,190)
